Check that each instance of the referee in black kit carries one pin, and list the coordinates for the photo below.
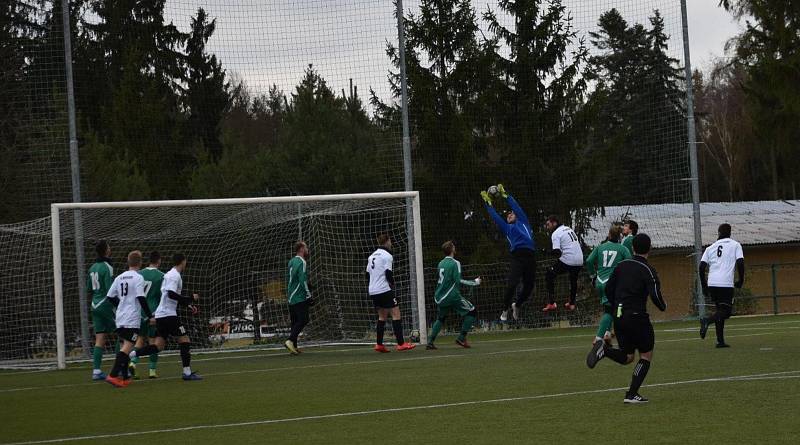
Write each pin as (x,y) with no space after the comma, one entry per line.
(627,290)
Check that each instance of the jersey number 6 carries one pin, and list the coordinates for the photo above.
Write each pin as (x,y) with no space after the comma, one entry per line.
(719,251)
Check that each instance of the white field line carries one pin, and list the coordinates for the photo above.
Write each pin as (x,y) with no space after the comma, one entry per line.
(739,378)
(363,362)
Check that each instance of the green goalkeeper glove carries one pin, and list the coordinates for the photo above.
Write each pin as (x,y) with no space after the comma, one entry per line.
(486,197)
(502,191)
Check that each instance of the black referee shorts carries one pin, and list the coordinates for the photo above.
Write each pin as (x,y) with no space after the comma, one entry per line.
(635,333)
(129,334)
(721,295)
(386,300)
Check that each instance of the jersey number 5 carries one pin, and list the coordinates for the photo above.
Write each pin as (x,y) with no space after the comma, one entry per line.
(373,262)
(441,276)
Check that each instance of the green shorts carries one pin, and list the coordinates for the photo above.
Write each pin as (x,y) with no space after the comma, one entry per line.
(461,308)
(146,330)
(103,319)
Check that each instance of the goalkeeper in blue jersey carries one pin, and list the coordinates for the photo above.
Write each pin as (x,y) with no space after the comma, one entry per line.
(517,230)
(448,297)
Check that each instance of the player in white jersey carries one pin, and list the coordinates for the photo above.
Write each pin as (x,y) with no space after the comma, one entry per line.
(381,290)
(128,295)
(721,258)
(167,322)
(570,261)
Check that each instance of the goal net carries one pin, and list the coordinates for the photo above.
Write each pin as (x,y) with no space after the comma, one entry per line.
(237,253)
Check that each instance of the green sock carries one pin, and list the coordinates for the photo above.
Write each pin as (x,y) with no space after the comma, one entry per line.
(466,326)
(97,357)
(119,346)
(135,360)
(437,326)
(605,325)
(153,360)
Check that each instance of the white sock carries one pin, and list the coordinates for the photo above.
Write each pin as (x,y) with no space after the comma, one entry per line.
(187,370)
(132,354)
(96,371)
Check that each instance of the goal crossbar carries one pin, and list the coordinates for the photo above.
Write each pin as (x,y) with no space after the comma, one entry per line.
(55,208)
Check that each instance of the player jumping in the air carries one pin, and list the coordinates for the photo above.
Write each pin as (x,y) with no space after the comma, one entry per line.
(100,277)
(381,291)
(517,231)
(570,260)
(627,290)
(600,264)
(448,297)
(128,295)
(299,295)
(167,322)
(629,229)
(720,259)
(147,331)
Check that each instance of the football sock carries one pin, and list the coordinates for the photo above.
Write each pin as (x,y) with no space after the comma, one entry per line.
(186,356)
(119,362)
(605,325)
(639,373)
(379,328)
(435,329)
(397,327)
(153,360)
(134,358)
(720,327)
(147,350)
(124,369)
(469,319)
(97,358)
(618,355)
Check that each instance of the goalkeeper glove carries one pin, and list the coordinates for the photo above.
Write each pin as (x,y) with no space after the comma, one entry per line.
(486,197)
(195,310)
(502,191)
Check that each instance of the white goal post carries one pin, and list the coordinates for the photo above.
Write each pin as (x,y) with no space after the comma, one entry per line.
(239,247)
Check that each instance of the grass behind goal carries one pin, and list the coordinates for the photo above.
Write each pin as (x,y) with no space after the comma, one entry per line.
(513,387)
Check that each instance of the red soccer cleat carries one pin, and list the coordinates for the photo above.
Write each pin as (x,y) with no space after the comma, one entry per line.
(570,306)
(463,343)
(405,346)
(116,381)
(550,307)
(381,348)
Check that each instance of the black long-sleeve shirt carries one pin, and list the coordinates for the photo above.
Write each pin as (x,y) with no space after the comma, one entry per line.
(630,284)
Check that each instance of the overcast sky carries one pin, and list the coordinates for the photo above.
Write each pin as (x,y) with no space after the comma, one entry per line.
(269,42)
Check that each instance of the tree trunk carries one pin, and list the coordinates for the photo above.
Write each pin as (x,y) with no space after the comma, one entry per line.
(773,165)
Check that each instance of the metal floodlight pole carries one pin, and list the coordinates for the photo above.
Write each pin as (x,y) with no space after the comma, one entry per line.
(695,175)
(76,176)
(408,176)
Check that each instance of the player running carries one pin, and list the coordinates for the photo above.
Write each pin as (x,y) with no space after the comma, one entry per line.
(128,296)
(99,280)
(517,230)
(448,297)
(381,290)
(570,261)
(627,290)
(600,264)
(299,295)
(629,229)
(167,322)
(147,331)
(720,259)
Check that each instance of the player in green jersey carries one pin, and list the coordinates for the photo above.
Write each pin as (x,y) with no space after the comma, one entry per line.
(629,229)
(600,264)
(298,294)
(99,280)
(147,331)
(448,297)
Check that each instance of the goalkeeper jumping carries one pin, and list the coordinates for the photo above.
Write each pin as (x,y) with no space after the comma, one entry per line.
(517,231)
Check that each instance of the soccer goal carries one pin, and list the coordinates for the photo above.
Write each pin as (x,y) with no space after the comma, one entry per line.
(237,253)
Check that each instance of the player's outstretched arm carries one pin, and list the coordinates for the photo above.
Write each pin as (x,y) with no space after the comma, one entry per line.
(513,204)
(591,266)
(475,282)
(183,301)
(498,220)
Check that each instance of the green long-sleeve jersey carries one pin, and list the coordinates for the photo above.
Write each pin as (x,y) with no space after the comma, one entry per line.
(447,288)
(628,243)
(297,281)
(99,280)
(604,258)
(152,286)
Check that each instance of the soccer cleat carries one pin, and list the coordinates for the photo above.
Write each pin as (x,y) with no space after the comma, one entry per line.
(407,346)
(192,376)
(291,347)
(514,311)
(153,374)
(703,328)
(723,345)
(116,381)
(550,307)
(463,343)
(132,370)
(596,354)
(569,306)
(504,316)
(380,348)
(100,377)
(635,399)
(431,347)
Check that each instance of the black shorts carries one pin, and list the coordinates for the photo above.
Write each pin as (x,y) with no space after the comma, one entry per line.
(129,334)
(635,333)
(721,295)
(169,326)
(386,300)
